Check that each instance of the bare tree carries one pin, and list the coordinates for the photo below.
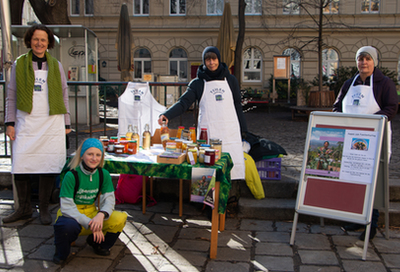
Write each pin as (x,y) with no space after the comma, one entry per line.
(49,12)
(239,41)
(317,20)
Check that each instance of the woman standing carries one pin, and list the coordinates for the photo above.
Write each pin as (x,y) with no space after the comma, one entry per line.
(37,119)
(368,92)
(220,109)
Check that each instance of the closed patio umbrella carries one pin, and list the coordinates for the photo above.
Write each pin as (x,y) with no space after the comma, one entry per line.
(124,44)
(226,41)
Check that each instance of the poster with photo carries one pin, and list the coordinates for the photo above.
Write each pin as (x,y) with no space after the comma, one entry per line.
(324,156)
(203,180)
(359,155)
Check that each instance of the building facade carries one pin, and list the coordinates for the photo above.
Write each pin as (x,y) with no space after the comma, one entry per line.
(169,36)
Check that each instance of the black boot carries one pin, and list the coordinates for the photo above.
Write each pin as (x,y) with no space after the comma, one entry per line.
(24,210)
(46,183)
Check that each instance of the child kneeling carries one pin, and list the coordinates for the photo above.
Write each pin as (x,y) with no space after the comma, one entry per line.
(78,214)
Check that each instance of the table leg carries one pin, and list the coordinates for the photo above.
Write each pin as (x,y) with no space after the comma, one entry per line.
(214,224)
(222,221)
(151,186)
(180,197)
(144,194)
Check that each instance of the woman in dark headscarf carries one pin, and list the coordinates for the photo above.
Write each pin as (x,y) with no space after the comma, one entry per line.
(220,106)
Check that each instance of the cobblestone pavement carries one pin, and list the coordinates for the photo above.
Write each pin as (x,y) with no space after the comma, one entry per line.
(160,240)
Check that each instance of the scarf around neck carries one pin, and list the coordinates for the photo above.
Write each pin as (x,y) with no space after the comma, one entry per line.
(25,77)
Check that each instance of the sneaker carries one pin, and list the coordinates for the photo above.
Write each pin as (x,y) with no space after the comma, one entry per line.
(97,247)
(372,234)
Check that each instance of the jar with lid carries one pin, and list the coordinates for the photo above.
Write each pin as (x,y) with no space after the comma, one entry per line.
(192,131)
(202,152)
(170,146)
(209,157)
(125,144)
(179,133)
(191,155)
(217,145)
(185,135)
(179,143)
(204,135)
(111,144)
(105,143)
(132,145)
(119,149)
(185,145)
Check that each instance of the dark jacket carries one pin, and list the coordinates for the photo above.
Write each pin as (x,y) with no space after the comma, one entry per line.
(195,90)
(384,92)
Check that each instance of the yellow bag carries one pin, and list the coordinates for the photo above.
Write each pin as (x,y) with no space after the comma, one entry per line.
(252,177)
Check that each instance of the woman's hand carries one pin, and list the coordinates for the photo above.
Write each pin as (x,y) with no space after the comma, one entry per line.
(96,224)
(161,119)
(67,130)
(98,237)
(10,132)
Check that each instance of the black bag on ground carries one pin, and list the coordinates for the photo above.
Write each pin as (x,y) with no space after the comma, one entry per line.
(262,148)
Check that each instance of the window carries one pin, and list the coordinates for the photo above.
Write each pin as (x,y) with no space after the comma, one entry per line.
(89,7)
(215,7)
(291,7)
(330,62)
(178,7)
(178,64)
(332,7)
(295,59)
(253,7)
(142,63)
(252,61)
(370,6)
(75,7)
(141,7)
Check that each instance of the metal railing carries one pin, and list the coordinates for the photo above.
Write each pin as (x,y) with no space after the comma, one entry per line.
(101,87)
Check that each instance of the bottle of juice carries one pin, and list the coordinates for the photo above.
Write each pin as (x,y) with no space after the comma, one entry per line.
(179,133)
(135,137)
(129,133)
(164,131)
(146,137)
(193,136)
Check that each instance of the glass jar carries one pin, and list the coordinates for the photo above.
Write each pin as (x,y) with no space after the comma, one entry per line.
(132,146)
(202,152)
(194,155)
(217,145)
(193,136)
(125,144)
(209,157)
(164,131)
(179,143)
(119,149)
(204,135)
(170,146)
(179,133)
(110,146)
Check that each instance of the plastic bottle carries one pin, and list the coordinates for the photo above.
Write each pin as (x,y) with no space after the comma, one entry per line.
(129,133)
(192,131)
(179,133)
(164,131)
(136,137)
(146,137)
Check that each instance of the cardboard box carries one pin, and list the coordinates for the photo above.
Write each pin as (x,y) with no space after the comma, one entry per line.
(178,160)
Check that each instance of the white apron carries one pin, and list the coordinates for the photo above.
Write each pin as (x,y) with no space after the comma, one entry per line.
(360,99)
(39,145)
(137,106)
(217,113)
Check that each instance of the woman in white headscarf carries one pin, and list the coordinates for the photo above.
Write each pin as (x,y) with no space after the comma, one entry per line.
(368,92)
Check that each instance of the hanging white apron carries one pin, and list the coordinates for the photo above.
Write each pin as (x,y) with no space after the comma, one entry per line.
(360,99)
(39,145)
(217,113)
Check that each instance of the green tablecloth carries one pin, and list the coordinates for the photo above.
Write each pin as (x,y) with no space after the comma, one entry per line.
(120,165)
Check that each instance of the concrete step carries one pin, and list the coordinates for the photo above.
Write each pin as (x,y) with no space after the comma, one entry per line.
(282,209)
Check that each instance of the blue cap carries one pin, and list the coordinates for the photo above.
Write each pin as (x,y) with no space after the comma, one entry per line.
(91,142)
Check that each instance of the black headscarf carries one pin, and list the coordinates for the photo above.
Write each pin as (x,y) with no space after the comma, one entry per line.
(216,73)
